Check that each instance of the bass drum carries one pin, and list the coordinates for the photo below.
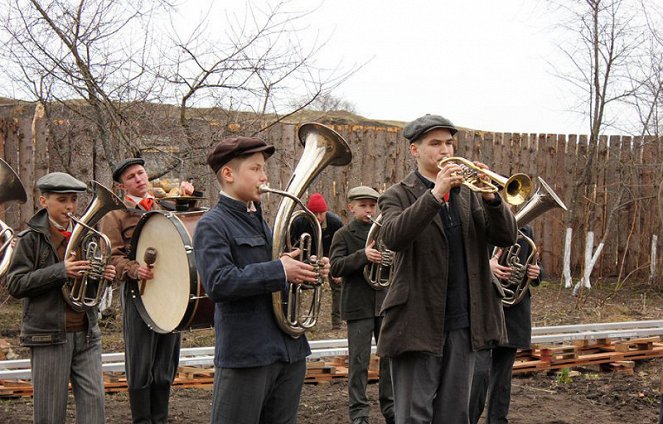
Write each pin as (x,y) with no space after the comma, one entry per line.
(174,300)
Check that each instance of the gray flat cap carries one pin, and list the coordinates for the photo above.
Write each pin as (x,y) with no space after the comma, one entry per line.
(362,192)
(122,166)
(422,125)
(59,182)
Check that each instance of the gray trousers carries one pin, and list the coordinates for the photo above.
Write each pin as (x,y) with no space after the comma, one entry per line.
(53,366)
(258,395)
(151,358)
(492,380)
(434,389)
(360,334)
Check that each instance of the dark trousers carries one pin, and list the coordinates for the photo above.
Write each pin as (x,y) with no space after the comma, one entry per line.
(492,380)
(336,304)
(360,335)
(258,395)
(434,389)
(151,361)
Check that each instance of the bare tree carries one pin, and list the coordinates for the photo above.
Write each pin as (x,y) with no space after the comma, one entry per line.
(604,54)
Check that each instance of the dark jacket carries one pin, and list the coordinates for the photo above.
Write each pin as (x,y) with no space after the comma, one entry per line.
(37,278)
(303,225)
(414,310)
(233,250)
(518,318)
(358,299)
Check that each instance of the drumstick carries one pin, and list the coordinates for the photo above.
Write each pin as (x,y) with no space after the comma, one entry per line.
(150,257)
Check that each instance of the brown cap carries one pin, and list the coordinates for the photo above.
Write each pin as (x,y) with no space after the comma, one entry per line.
(232,147)
(362,192)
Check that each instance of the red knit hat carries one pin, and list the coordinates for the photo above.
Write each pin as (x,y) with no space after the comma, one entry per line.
(316,203)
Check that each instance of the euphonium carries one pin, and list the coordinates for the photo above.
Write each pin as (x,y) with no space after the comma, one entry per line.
(376,275)
(322,147)
(11,189)
(90,245)
(516,287)
(516,189)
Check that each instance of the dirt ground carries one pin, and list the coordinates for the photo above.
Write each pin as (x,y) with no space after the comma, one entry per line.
(588,394)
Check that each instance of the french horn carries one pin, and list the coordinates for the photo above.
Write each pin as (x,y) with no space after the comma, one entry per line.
(11,189)
(93,246)
(378,275)
(517,286)
(322,147)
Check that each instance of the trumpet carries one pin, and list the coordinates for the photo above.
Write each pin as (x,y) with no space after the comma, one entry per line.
(378,276)
(516,189)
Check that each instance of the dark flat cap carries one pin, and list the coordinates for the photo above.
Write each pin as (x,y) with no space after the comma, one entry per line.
(362,192)
(232,147)
(59,182)
(122,166)
(422,125)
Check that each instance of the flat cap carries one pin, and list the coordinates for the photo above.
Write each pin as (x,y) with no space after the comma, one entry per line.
(362,192)
(60,182)
(232,147)
(423,124)
(122,166)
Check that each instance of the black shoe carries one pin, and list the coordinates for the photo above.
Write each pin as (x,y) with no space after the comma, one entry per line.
(360,420)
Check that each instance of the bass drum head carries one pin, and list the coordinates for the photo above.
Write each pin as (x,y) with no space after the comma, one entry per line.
(165,298)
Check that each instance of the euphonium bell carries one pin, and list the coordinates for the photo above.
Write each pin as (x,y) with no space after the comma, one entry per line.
(377,275)
(90,245)
(322,147)
(516,287)
(11,189)
(516,189)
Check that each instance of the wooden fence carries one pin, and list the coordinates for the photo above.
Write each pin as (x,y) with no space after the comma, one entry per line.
(381,158)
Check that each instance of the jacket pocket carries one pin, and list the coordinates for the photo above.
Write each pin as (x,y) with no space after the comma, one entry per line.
(397,295)
(253,241)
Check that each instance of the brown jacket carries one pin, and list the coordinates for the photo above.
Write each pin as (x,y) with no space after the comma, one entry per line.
(119,226)
(414,309)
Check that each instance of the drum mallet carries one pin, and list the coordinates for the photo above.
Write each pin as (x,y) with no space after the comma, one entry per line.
(150,257)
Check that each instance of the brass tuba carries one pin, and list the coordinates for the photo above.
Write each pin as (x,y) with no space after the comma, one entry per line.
(516,287)
(376,275)
(516,189)
(90,245)
(322,146)
(11,189)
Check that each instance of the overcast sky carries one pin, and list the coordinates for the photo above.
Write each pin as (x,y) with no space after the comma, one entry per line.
(483,64)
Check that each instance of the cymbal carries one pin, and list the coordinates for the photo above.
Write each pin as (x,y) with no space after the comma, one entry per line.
(180,199)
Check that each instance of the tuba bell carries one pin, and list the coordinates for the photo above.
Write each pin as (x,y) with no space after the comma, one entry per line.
(377,275)
(11,189)
(322,146)
(516,287)
(90,245)
(516,189)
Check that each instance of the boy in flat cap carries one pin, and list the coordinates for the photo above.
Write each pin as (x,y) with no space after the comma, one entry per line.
(441,306)
(330,223)
(151,359)
(360,304)
(259,369)
(64,344)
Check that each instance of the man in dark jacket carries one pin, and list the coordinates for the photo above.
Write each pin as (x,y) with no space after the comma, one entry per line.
(361,304)
(330,223)
(493,367)
(64,343)
(259,369)
(441,305)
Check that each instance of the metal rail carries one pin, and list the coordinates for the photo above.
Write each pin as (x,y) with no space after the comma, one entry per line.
(197,356)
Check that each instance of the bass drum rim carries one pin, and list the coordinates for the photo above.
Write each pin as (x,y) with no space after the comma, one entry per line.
(194,286)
